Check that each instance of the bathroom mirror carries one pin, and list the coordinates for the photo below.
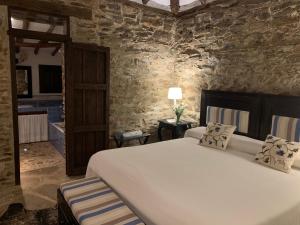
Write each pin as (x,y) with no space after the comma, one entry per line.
(24,81)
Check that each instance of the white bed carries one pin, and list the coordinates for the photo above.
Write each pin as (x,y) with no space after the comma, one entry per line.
(179,182)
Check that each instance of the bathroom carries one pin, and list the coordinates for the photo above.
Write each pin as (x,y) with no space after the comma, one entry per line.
(39,84)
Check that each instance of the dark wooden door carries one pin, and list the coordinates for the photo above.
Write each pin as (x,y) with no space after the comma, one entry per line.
(87,104)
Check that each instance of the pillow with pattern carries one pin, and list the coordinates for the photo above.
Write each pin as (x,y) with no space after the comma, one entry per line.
(278,153)
(217,135)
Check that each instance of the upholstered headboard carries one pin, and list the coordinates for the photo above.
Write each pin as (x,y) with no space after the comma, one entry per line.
(255,115)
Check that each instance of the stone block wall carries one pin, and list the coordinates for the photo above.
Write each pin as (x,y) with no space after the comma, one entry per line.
(142,64)
(6,135)
(246,46)
(9,193)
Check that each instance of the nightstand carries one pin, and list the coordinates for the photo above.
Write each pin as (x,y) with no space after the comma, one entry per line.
(178,129)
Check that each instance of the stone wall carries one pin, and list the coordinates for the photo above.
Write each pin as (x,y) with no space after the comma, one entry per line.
(142,64)
(247,46)
(6,134)
(8,193)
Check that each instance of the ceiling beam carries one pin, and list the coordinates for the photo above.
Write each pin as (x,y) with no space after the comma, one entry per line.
(40,45)
(175,6)
(203,2)
(25,24)
(50,30)
(49,7)
(56,50)
(145,2)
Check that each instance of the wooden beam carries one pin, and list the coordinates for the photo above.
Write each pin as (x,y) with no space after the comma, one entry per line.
(50,30)
(145,2)
(28,34)
(144,7)
(206,6)
(54,8)
(56,50)
(40,45)
(25,24)
(174,4)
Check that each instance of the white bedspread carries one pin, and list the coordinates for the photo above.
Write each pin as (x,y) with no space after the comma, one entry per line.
(181,183)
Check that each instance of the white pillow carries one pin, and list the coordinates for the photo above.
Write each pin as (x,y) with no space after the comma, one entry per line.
(237,142)
(217,135)
(245,144)
(278,153)
(196,132)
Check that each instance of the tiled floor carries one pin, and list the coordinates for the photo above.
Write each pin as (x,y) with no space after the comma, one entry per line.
(42,171)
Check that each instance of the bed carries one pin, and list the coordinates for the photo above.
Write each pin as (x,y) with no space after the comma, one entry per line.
(179,182)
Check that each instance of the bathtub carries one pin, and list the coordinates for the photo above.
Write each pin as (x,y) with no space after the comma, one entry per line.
(57,136)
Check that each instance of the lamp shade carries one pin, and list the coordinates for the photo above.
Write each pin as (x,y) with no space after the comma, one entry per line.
(175,93)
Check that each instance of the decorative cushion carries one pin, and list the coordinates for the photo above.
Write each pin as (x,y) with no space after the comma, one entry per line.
(217,135)
(92,201)
(234,117)
(278,153)
(286,127)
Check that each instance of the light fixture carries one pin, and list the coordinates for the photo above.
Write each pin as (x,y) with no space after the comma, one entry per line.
(175,93)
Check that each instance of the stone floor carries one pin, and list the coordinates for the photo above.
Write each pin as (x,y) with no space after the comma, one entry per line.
(42,171)
(39,155)
(17,215)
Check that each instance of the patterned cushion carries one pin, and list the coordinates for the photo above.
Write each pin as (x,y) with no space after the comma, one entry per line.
(238,118)
(286,127)
(93,202)
(278,153)
(217,135)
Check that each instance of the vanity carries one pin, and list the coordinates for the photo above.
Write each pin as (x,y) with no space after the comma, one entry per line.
(33,125)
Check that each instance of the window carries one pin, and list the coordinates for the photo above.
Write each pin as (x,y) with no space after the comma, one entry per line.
(50,79)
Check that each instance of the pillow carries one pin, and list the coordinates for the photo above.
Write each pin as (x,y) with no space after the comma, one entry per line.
(217,135)
(196,132)
(237,142)
(245,144)
(278,153)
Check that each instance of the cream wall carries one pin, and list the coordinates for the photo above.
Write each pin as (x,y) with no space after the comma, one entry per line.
(44,57)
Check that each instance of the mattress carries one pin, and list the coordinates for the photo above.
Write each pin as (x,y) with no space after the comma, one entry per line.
(179,182)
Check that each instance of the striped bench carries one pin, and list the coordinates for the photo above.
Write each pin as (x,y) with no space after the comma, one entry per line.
(91,201)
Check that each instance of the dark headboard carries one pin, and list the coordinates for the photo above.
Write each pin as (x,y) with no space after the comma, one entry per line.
(262,107)
(288,106)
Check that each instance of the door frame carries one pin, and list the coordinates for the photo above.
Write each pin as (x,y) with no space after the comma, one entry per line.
(13,33)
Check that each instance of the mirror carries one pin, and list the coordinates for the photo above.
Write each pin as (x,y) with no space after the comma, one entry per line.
(24,79)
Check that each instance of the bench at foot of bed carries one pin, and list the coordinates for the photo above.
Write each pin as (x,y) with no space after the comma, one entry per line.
(91,201)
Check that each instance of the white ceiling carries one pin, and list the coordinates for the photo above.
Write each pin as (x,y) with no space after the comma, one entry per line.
(165,4)
(34,26)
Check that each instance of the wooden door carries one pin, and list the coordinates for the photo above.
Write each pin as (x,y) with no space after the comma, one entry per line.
(87,104)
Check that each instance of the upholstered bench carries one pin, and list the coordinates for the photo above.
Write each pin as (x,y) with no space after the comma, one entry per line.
(91,201)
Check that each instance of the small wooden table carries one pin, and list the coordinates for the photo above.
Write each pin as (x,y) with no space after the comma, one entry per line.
(177,128)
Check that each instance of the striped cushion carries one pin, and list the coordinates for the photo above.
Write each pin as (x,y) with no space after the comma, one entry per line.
(93,202)
(286,127)
(238,118)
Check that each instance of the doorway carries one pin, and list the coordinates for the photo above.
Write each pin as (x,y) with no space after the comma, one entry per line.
(38,46)
(84,87)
